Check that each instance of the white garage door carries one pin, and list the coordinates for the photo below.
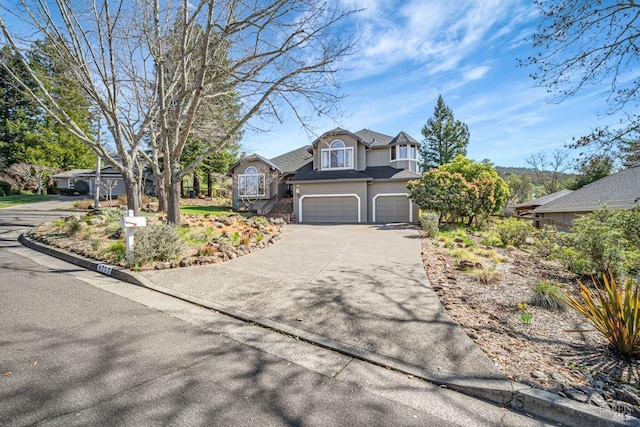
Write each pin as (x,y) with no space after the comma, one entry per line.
(330,209)
(392,209)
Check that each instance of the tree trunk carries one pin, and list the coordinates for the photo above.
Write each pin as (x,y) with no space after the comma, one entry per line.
(133,194)
(173,202)
(209,189)
(196,185)
(162,197)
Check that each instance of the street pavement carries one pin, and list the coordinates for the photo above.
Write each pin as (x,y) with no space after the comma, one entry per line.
(79,348)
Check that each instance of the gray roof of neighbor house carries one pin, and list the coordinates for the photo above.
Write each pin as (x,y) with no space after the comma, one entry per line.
(307,173)
(293,160)
(617,191)
(540,201)
(72,173)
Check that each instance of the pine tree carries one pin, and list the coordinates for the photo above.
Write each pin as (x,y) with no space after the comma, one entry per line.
(444,138)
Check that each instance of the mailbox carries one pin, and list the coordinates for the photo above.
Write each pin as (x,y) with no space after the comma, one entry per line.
(133,221)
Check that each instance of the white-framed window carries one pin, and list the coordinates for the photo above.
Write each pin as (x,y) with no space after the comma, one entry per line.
(406,153)
(337,156)
(251,183)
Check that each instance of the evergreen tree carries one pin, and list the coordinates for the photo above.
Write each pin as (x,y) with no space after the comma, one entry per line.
(444,137)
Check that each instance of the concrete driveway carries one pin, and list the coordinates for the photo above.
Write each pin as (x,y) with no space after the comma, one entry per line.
(362,285)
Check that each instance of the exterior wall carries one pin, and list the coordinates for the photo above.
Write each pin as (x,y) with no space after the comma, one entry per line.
(63,182)
(359,154)
(388,187)
(271,183)
(358,187)
(379,157)
(558,218)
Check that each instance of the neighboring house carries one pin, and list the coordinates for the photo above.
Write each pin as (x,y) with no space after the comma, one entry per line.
(617,191)
(525,208)
(67,180)
(342,177)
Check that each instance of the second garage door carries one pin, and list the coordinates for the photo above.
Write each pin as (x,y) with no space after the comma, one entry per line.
(330,209)
(392,209)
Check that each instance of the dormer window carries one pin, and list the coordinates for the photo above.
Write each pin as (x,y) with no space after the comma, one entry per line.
(251,183)
(337,156)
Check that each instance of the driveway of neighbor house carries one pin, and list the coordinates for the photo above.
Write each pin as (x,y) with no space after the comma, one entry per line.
(361,285)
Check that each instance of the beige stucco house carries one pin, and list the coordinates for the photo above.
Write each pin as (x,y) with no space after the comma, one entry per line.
(342,177)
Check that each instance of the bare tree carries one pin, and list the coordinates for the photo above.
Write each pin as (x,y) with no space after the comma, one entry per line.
(108,185)
(152,69)
(29,176)
(582,44)
(549,170)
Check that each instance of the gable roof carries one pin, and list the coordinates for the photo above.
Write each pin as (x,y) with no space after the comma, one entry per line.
(72,173)
(293,160)
(540,201)
(253,157)
(617,191)
(336,132)
(374,139)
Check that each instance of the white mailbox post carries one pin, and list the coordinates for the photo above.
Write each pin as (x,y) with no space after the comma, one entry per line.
(129,223)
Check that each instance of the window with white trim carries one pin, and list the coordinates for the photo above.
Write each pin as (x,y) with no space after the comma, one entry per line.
(251,183)
(337,156)
(406,153)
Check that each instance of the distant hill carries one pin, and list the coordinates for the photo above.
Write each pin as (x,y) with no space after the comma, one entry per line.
(505,171)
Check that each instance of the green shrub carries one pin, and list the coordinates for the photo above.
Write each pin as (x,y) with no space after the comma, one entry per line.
(512,231)
(116,251)
(547,294)
(5,188)
(159,242)
(429,222)
(486,275)
(614,311)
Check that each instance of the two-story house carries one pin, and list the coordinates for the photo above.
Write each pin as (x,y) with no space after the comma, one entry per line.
(343,177)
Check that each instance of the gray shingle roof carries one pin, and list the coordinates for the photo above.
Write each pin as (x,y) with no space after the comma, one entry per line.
(540,201)
(403,138)
(617,191)
(293,160)
(340,131)
(253,157)
(374,139)
(307,173)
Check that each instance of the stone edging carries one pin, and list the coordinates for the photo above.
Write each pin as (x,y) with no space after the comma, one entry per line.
(508,393)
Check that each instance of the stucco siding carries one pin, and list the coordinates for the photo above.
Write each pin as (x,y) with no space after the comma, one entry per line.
(310,191)
(378,157)
(359,160)
(271,182)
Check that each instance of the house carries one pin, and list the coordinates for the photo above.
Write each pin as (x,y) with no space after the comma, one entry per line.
(342,177)
(617,191)
(108,176)
(525,208)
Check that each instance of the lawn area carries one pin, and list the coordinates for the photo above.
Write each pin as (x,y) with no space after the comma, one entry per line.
(203,210)
(21,199)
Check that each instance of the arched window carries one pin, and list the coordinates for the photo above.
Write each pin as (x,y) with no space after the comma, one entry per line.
(251,183)
(337,156)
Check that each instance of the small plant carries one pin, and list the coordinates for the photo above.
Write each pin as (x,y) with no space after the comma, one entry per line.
(259,237)
(512,231)
(547,294)
(95,244)
(235,238)
(207,250)
(72,225)
(159,242)
(487,275)
(614,311)
(245,240)
(83,204)
(429,223)
(525,314)
(116,251)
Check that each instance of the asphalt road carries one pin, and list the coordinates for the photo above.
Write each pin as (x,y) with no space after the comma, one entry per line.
(78,348)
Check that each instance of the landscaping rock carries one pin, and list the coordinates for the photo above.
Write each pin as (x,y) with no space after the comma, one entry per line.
(627,394)
(539,374)
(576,395)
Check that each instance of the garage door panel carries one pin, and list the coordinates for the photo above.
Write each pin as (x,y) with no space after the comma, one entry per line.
(392,209)
(330,209)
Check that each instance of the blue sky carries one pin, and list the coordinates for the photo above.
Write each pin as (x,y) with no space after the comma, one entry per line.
(411,51)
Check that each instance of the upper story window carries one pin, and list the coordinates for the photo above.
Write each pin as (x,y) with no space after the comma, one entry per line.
(404,152)
(337,156)
(251,183)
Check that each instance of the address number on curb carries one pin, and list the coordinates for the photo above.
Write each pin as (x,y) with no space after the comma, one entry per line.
(105,269)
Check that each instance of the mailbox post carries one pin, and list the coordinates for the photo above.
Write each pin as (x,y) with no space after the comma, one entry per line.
(129,223)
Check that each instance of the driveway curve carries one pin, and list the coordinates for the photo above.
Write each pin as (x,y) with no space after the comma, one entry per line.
(362,285)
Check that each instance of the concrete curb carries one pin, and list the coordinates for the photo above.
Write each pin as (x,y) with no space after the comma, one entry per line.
(504,392)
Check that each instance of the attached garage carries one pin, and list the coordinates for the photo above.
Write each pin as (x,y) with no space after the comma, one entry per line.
(391,208)
(330,208)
